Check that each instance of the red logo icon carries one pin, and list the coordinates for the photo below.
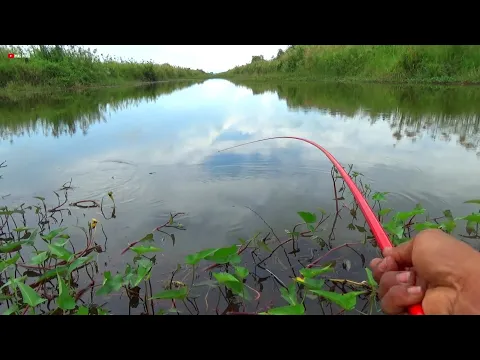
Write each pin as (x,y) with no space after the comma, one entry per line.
(11,56)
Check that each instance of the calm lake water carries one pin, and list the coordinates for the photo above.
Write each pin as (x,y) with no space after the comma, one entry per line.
(156,148)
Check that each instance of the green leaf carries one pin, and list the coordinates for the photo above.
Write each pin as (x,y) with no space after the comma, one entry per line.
(312,272)
(392,228)
(50,274)
(403,216)
(232,283)
(426,225)
(346,301)
(287,310)
(448,214)
(145,249)
(11,310)
(194,259)
(448,226)
(225,255)
(20,229)
(223,277)
(13,246)
(384,212)
(110,284)
(8,262)
(470,227)
(379,196)
(371,281)
(39,258)
(64,300)
(308,217)
(148,237)
(360,228)
(52,234)
(241,272)
(475,218)
(171,294)
(142,271)
(311,283)
(82,310)
(311,228)
(60,252)
(79,262)
(29,295)
(290,294)
(322,211)
(475,201)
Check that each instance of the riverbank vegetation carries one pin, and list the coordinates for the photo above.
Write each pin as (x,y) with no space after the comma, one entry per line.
(60,66)
(69,112)
(45,268)
(442,112)
(379,63)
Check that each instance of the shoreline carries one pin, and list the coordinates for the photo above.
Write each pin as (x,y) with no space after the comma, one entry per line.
(26,91)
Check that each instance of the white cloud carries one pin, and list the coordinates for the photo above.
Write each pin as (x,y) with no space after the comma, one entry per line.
(210,58)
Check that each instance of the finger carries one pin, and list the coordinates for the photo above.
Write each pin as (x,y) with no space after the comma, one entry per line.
(400,297)
(382,266)
(402,254)
(394,278)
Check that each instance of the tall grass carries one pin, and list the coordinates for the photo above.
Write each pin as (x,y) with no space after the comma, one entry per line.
(70,66)
(385,63)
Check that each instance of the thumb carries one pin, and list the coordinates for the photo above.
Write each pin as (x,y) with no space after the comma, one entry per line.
(402,254)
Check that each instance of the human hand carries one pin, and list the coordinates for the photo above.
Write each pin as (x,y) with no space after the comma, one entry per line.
(433,269)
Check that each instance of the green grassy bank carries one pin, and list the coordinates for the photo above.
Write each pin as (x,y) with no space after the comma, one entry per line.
(378,63)
(46,67)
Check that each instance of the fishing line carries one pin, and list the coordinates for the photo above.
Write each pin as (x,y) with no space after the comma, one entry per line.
(378,232)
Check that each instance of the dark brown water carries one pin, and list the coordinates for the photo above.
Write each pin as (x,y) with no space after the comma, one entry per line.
(156,148)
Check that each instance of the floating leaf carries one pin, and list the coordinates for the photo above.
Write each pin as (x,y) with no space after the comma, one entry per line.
(20,229)
(346,301)
(232,283)
(308,217)
(82,310)
(194,259)
(311,283)
(474,201)
(8,262)
(171,294)
(39,258)
(379,196)
(225,255)
(60,252)
(64,300)
(360,228)
(287,310)
(312,272)
(475,218)
(371,281)
(11,310)
(448,214)
(290,294)
(426,225)
(29,295)
(52,234)
(241,272)
(384,212)
(79,262)
(148,237)
(140,250)
(110,284)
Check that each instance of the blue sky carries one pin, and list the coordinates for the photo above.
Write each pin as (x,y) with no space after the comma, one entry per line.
(210,58)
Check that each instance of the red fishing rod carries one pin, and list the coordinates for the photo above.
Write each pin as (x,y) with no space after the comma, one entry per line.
(377,230)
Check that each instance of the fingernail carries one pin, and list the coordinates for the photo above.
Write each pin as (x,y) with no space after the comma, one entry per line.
(414,290)
(403,277)
(383,265)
